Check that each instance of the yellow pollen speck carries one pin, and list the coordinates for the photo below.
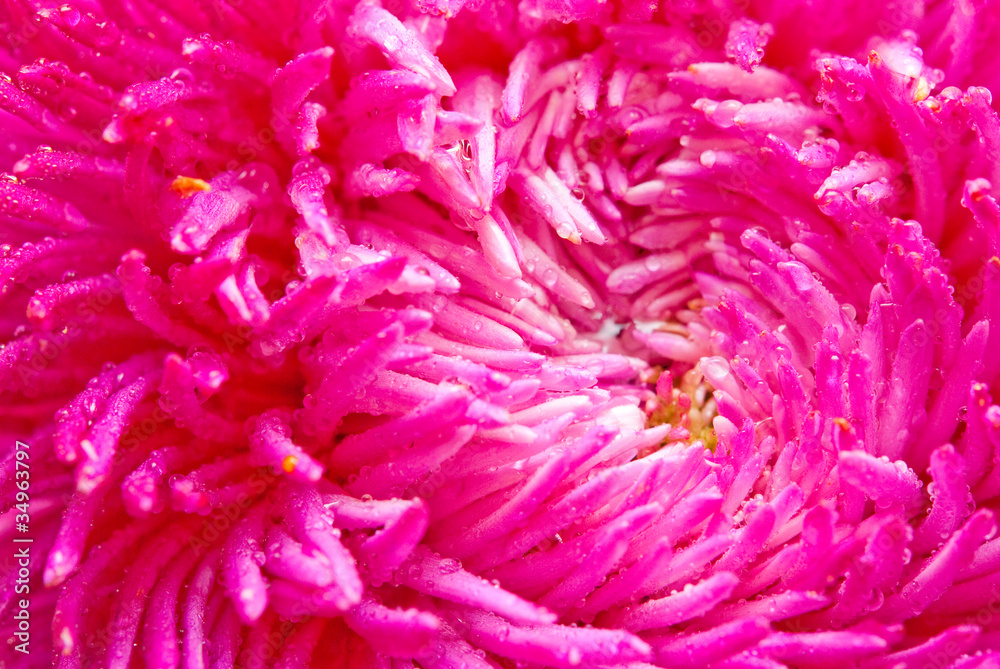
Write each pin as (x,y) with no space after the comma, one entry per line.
(288,464)
(923,89)
(188,186)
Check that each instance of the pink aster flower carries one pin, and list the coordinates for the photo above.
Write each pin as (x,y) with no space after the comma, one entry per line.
(441,334)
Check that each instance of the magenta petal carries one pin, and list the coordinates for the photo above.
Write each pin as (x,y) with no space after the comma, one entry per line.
(394,632)
(703,648)
(821,646)
(679,607)
(240,570)
(36,206)
(373,25)
(553,645)
(445,578)
(386,550)
(939,571)
(886,482)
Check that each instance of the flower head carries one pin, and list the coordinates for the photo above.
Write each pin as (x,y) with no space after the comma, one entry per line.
(443,334)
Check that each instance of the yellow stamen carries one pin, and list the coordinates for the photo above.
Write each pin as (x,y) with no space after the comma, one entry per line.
(188,186)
